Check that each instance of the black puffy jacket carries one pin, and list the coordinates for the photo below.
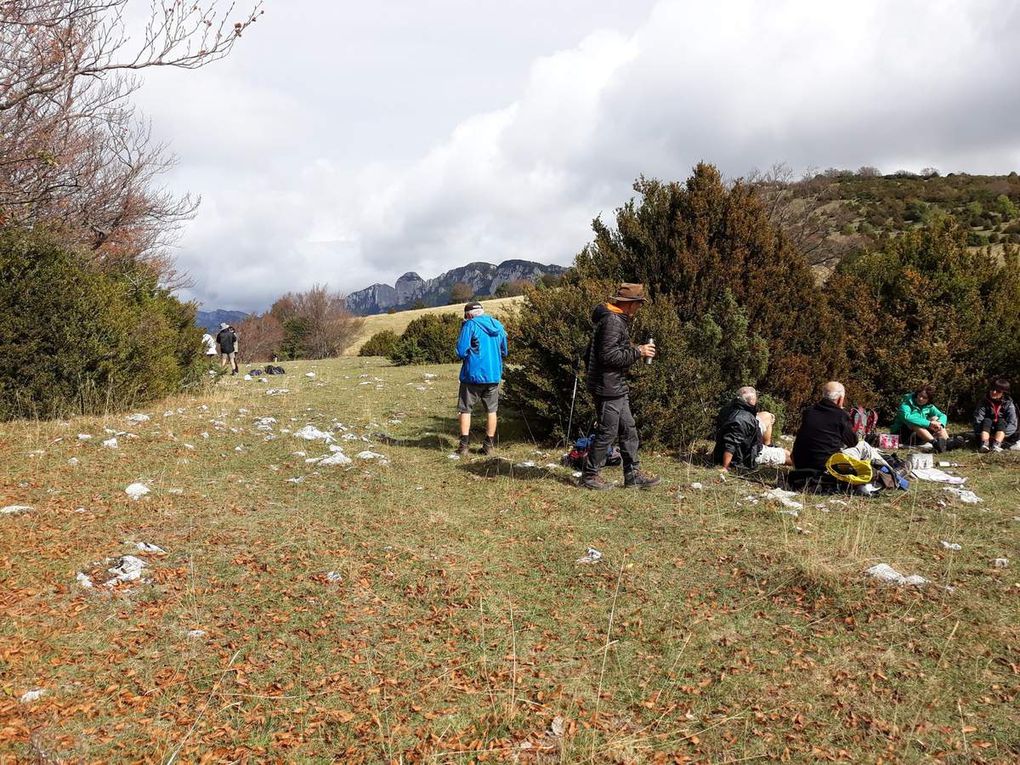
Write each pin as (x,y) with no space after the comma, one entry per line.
(737,432)
(610,354)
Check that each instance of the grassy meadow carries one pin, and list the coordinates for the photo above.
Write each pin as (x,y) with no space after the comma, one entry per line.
(397,322)
(411,607)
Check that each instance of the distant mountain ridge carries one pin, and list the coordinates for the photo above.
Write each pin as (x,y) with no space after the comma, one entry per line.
(409,289)
(210,320)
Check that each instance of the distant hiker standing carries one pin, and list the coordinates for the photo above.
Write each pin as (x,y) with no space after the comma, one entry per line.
(482,346)
(609,356)
(210,344)
(226,342)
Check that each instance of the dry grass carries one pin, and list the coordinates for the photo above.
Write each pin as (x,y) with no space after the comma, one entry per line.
(397,322)
(716,629)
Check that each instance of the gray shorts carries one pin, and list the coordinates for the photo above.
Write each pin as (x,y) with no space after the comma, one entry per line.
(470,393)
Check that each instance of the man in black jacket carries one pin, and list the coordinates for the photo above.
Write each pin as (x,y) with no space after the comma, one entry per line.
(744,435)
(825,429)
(226,341)
(609,356)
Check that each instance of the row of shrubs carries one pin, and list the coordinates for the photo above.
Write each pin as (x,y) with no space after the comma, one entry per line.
(733,303)
(78,339)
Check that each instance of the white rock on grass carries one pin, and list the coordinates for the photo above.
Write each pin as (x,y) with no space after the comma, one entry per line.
(149,548)
(368,455)
(196,634)
(128,569)
(110,443)
(137,490)
(16,509)
(784,497)
(334,576)
(966,496)
(138,417)
(951,546)
(590,556)
(1000,563)
(275,391)
(84,580)
(33,695)
(312,433)
(84,436)
(886,573)
(336,458)
(310,375)
(73,462)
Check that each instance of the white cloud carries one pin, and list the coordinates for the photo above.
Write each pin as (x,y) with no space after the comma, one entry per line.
(301,187)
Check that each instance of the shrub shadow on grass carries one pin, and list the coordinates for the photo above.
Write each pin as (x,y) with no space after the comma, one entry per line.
(498,467)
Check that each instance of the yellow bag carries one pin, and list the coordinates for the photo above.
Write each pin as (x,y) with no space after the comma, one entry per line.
(849,469)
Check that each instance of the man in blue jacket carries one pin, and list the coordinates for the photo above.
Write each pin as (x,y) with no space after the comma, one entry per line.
(482,348)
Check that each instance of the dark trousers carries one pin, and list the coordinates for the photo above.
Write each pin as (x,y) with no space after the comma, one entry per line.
(615,421)
(989,426)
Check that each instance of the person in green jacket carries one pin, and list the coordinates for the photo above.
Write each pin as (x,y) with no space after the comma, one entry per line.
(920,421)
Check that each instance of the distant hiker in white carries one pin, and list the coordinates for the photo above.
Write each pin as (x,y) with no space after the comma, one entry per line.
(210,344)
(226,341)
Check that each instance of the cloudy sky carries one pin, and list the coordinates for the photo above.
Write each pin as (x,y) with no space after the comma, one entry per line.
(347,142)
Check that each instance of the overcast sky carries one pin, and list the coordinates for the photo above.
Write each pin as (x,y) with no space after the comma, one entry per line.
(346,142)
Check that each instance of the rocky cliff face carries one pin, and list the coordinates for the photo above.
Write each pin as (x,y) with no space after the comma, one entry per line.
(484,279)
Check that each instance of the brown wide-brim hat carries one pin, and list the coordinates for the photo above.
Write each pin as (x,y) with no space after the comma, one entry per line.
(629,293)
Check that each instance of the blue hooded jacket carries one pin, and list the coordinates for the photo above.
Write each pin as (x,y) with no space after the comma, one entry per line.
(482,346)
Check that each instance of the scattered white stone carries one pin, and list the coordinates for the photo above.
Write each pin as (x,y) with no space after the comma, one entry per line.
(175,490)
(196,634)
(137,490)
(367,455)
(149,548)
(189,446)
(16,509)
(525,464)
(239,448)
(334,576)
(312,433)
(886,573)
(951,546)
(84,581)
(1000,563)
(264,423)
(591,555)
(204,435)
(33,695)
(247,378)
(138,417)
(453,456)
(80,510)
(110,443)
(336,458)
(429,376)
(276,391)
(791,513)
(73,461)
(299,479)
(784,497)
(576,474)
(421,388)
(310,375)
(966,496)
(697,485)
(128,569)
(84,436)
(557,727)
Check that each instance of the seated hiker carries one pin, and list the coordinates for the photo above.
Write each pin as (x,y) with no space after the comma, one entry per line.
(995,420)
(825,429)
(744,435)
(920,422)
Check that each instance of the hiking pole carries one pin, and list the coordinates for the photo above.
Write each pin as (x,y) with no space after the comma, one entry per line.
(573,397)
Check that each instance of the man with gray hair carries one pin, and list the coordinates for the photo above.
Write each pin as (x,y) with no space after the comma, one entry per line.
(825,429)
(744,435)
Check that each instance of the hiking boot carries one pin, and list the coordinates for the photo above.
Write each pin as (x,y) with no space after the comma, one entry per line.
(595,483)
(984,448)
(640,480)
(941,445)
(488,447)
(996,447)
(462,447)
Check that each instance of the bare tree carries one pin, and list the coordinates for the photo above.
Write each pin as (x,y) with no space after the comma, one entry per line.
(316,323)
(73,154)
(810,212)
(262,337)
